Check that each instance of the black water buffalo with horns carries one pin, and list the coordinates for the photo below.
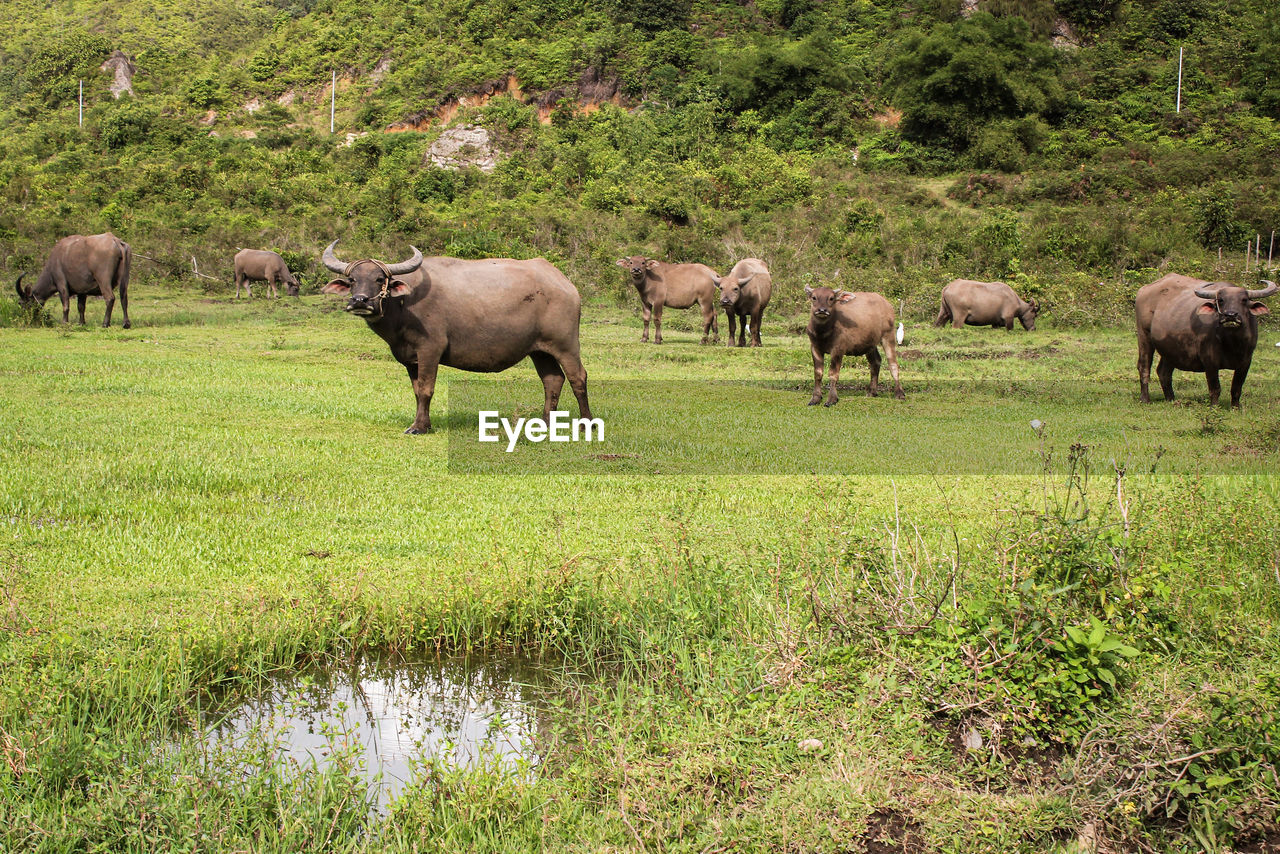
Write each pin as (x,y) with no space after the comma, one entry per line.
(482,316)
(80,265)
(1198,326)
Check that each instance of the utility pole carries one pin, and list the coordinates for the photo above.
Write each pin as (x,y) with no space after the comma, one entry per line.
(333,98)
(1179,107)
(81,103)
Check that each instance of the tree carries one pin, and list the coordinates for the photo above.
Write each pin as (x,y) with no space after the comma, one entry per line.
(953,81)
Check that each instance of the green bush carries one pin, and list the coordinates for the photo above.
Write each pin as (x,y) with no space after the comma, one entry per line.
(126,122)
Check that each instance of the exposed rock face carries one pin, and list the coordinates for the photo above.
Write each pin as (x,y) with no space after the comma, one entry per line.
(252,106)
(122,69)
(287,99)
(465,146)
(1064,37)
(380,70)
(968,7)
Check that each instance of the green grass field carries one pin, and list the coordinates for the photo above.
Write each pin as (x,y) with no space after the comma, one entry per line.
(225,490)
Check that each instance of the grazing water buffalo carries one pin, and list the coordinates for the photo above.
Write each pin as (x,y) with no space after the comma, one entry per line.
(744,293)
(261,265)
(984,304)
(481,316)
(676,285)
(80,265)
(1197,326)
(850,324)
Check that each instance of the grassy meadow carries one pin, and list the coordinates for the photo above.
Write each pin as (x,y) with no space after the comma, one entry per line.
(793,618)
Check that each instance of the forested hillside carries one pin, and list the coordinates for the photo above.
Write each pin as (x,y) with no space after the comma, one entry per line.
(899,143)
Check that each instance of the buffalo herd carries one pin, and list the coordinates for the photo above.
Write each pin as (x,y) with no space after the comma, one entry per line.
(487,315)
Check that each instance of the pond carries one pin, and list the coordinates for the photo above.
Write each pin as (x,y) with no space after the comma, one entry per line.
(393,715)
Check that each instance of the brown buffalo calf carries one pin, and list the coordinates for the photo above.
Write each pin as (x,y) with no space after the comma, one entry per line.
(850,324)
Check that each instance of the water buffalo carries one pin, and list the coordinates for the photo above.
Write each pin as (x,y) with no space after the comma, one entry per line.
(744,293)
(850,324)
(965,301)
(481,316)
(676,285)
(80,265)
(1197,326)
(262,265)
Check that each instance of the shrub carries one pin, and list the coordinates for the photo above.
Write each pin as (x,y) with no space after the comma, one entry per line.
(1216,225)
(203,93)
(126,122)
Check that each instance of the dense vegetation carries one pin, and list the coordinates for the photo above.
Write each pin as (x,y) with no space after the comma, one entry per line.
(223,490)
(900,144)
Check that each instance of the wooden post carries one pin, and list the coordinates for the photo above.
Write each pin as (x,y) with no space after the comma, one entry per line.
(333,98)
(1247,250)
(1271,248)
(81,103)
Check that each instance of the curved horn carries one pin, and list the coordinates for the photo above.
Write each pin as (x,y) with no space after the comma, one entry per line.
(22,295)
(406,266)
(1206,294)
(1271,288)
(331,261)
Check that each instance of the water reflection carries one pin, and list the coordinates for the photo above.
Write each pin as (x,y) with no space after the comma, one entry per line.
(393,715)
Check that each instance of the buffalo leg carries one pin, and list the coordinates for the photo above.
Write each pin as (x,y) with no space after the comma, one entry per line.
(1164,370)
(1215,386)
(423,375)
(833,377)
(957,319)
(1145,352)
(65,295)
(552,381)
(109,295)
(571,367)
(646,311)
(732,320)
(873,359)
(755,327)
(817,375)
(80,301)
(742,330)
(943,315)
(124,303)
(710,317)
(891,355)
(657,321)
(271,287)
(1237,384)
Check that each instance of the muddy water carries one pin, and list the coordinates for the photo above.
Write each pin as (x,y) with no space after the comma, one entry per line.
(393,715)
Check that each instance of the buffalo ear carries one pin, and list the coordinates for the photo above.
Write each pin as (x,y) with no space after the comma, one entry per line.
(399,288)
(1207,308)
(621,262)
(337,286)
(844,296)
(1258,308)
(808,290)
(650,264)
